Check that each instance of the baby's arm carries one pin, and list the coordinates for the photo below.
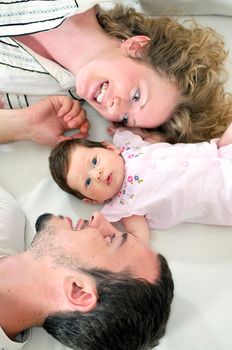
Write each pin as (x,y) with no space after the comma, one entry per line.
(153,137)
(226,137)
(45,122)
(137,226)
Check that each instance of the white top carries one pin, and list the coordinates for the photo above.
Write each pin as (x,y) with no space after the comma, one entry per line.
(25,76)
(21,340)
(170,184)
(12,222)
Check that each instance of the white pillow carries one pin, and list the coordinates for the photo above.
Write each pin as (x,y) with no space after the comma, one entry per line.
(187,7)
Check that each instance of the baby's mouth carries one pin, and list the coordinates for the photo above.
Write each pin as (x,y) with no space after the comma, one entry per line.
(100,93)
(109,179)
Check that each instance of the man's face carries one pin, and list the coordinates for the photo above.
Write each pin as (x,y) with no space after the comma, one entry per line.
(98,244)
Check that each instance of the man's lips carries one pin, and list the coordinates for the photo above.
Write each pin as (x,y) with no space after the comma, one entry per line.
(69,220)
(81,223)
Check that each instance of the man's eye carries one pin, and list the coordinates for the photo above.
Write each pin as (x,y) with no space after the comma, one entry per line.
(124,120)
(94,161)
(136,96)
(87,182)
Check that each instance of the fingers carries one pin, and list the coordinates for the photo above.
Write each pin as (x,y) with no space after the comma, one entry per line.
(80,135)
(110,131)
(84,128)
(112,128)
(1,103)
(67,104)
(77,121)
(75,118)
(77,135)
(68,107)
(73,115)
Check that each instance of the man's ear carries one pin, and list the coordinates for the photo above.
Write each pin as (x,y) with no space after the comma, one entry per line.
(134,46)
(91,201)
(111,147)
(81,293)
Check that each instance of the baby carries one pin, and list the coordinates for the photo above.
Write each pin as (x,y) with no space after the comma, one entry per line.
(163,183)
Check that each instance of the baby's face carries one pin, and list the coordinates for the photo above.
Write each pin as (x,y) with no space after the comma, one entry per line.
(97,173)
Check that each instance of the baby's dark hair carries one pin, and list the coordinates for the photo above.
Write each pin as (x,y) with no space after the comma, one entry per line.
(59,161)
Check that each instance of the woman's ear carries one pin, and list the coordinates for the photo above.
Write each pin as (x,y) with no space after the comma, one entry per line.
(81,293)
(134,46)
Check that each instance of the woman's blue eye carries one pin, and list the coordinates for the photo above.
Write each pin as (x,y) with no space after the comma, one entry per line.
(87,182)
(136,96)
(94,161)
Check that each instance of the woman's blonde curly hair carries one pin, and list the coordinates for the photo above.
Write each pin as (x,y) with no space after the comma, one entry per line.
(189,55)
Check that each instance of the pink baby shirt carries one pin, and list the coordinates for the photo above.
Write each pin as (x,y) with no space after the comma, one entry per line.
(170,184)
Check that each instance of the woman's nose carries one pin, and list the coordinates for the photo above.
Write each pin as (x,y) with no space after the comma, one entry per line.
(116,109)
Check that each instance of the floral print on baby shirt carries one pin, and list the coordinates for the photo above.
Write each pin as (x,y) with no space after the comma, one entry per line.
(131,180)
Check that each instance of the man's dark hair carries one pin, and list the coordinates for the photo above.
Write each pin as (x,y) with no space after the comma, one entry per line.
(59,160)
(131,313)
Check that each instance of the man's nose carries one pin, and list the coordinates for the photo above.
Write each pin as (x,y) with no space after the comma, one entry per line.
(98,221)
(98,174)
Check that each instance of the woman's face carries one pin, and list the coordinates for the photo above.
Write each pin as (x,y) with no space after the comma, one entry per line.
(123,89)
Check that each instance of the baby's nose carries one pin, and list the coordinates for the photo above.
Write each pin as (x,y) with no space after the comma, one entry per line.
(98,174)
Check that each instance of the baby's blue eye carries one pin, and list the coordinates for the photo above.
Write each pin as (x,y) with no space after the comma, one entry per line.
(87,182)
(94,161)
(136,96)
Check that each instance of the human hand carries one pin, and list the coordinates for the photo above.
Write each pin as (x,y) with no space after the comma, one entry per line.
(113,127)
(138,227)
(226,137)
(1,102)
(48,120)
(151,137)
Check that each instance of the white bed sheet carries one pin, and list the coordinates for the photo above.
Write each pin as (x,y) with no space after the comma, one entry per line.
(200,256)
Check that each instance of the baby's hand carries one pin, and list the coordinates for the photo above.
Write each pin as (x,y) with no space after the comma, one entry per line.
(226,137)
(112,128)
(153,137)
